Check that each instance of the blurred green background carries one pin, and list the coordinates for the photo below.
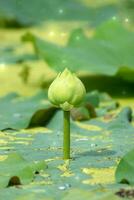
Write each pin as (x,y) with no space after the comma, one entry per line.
(94,38)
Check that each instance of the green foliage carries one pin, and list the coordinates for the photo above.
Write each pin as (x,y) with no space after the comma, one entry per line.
(24,112)
(83,194)
(127,7)
(37,111)
(96,146)
(9,54)
(125,169)
(102,129)
(109,52)
(19,13)
(16,166)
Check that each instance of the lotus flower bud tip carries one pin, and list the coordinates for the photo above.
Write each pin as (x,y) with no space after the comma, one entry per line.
(66,91)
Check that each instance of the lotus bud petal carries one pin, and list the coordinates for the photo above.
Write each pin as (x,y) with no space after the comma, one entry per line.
(66,91)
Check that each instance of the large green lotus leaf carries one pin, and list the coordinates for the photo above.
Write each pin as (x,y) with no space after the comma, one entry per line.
(23,194)
(97,144)
(37,111)
(20,12)
(108,52)
(125,169)
(18,112)
(78,194)
(16,165)
(44,194)
(113,85)
(108,130)
(96,147)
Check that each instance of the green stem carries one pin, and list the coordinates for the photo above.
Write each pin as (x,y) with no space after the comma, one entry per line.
(66,137)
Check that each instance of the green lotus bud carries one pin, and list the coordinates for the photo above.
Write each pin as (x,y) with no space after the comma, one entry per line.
(66,91)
